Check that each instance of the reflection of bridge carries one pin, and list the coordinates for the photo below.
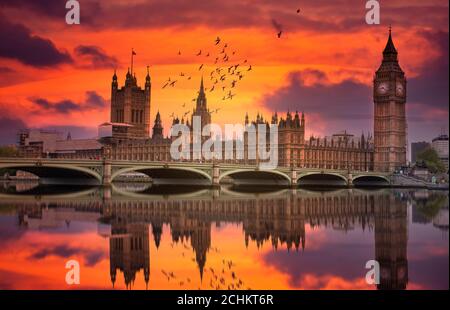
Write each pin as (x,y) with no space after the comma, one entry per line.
(105,172)
(279,218)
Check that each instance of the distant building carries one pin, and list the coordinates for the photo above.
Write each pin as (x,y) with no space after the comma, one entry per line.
(36,143)
(417,148)
(440,145)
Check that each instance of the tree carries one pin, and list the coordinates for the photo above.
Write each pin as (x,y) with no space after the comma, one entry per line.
(431,160)
(8,151)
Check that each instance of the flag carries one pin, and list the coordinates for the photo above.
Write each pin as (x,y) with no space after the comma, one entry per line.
(133,52)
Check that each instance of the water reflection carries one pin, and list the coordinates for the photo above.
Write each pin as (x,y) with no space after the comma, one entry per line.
(130,216)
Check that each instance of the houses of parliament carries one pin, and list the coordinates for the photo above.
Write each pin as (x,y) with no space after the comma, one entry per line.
(129,136)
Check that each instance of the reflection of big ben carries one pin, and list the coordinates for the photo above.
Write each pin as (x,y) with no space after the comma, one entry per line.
(391,238)
(129,251)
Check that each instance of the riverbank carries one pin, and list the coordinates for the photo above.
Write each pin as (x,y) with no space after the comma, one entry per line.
(401,181)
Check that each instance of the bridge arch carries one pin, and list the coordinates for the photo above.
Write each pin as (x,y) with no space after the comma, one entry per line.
(371,180)
(322,179)
(257,176)
(162,172)
(57,171)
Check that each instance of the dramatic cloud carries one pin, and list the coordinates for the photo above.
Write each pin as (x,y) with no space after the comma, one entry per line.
(53,9)
(17,42)
(430,88)
(317,15)
(345,101)
(91,257)
(345,105)
(93,101)
(95,57)
(6,70)
(428,96)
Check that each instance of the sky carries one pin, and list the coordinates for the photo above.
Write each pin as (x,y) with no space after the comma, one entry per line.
(58,76)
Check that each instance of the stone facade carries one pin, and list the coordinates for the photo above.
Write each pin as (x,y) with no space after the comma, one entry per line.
(130,105)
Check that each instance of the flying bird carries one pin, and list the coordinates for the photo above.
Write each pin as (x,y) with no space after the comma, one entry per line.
(217,40)
(298,11)
(278,27)
(199,53)
(200,68)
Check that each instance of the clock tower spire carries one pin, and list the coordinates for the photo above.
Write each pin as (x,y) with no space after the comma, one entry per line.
(389,98)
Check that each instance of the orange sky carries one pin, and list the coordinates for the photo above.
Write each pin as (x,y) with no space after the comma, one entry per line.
(339,54)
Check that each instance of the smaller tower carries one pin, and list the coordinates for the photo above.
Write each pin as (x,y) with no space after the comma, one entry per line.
(157,128)
(201,108)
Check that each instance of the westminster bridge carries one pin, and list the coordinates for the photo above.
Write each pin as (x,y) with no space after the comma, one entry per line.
(105,172)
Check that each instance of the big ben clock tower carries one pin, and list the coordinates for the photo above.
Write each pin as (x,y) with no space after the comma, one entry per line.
(389,96)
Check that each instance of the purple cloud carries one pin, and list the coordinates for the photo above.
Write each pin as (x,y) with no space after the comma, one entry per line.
(93,101)
(95,56)
(317,15)
(91,257)
(20,44)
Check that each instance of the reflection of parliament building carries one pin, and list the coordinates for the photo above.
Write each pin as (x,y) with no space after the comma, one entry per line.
(127,136)
(129,251)
(278,220)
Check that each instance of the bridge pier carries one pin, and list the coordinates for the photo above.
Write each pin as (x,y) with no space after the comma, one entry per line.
(350,180)
(215,182)
(107,176)
(293,177)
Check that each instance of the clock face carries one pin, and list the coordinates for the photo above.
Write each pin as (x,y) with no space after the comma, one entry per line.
(400,89)
(383,88)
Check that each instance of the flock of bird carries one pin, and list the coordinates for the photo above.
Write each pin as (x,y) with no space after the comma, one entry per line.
(225,74)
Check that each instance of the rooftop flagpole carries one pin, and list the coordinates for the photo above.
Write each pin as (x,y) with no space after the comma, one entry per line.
(132,55)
